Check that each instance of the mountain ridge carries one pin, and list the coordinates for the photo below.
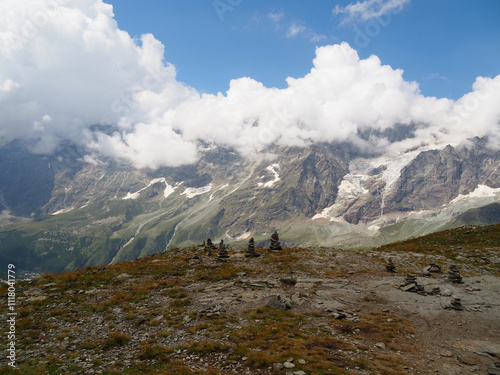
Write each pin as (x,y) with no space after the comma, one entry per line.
(323,195)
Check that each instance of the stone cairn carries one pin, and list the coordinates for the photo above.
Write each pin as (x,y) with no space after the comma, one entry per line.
(410,285)
(390,267)
(455,304)
(209,246)
(275,242)
(222,251)
(251,253)
(430,269)
(454,275)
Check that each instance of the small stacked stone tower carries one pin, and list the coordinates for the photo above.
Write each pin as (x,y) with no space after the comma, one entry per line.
(390,267)
(222,251)
(251,253)
(454,275)
(275,242)
(209,246)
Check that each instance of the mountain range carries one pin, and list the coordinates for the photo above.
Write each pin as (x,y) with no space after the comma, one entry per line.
(64,211)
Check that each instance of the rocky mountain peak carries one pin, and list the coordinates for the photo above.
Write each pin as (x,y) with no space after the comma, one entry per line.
(324,194)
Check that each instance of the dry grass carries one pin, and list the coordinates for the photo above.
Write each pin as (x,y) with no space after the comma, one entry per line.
(164,288)
(273,336)
(375,327)
(115,339)
(156,352)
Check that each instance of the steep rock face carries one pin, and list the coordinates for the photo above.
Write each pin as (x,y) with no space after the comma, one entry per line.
(298,183)
(435,177)
(430,180)
(318,183)
(77,184)
(368,206)
(382,187)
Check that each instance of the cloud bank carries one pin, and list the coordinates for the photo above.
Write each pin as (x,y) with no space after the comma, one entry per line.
(65,66)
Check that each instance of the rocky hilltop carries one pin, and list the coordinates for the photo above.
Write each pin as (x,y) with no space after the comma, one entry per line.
(65,210)
(435,310)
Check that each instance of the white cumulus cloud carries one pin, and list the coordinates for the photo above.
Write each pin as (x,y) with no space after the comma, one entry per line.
(69,61)
(66,66)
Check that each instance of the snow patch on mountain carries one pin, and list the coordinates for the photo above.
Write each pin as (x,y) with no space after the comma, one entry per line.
(193,192)
(63,211)
(352,186)
(166,193)
(273,169)
(362,173)
(482,191)
(240,237)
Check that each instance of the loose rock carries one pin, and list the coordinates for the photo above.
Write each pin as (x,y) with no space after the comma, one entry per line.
(278,366)
(380,345)
(447,293)
(279,302)
(194,260)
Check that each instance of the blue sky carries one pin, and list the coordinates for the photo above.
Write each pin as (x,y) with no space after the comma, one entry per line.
(443,45)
